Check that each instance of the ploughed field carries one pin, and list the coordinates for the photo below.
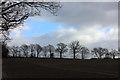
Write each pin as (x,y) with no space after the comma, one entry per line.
(59,68)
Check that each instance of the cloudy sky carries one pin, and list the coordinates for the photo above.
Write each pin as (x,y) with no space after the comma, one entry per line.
(94,24)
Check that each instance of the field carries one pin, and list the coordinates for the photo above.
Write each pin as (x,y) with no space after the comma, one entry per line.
(59,68)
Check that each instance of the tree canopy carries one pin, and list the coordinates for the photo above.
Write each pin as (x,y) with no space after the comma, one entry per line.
(14,13)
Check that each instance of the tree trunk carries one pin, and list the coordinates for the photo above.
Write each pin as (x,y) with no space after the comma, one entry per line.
(82,56)
(74,54)
(13,55)
(113,56)
(97,55)
(26,56)
(37,54)
(34,55)
(50,54)
(100,57)
(45,55)
(60,54)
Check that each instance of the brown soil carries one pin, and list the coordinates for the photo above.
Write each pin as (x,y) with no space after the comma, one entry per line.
(59,68)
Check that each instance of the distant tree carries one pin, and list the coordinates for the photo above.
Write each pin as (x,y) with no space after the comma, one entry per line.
(45,50)
(15,51)
(118,52)
(114,53)
(19,52)
(99,52)
(74,47)
(51,50)
(38,49)
(61,48)
(83,51)
(107,55)
(32,50)
(25,47)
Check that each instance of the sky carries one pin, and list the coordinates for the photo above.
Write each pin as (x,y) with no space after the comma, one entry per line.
(94,24)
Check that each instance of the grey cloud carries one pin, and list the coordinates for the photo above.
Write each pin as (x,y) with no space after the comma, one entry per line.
(81,14)
(109,44)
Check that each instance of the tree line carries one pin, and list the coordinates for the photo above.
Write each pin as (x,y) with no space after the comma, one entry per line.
(49,51)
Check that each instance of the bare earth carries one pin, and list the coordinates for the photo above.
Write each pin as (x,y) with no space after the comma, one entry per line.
(59,68)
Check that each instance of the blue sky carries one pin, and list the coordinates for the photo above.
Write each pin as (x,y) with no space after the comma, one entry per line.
(107,29)
(39,27)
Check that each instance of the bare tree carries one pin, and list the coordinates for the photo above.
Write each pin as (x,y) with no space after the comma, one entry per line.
(118,52)
(107,55)
(19,52)
(32,49)
(99,52)
(61,48)
(25,50)
(83,51)
(15,51)
(74,47)
(114,53)
(38,49)
(45,50)
(14,13)
(51,50)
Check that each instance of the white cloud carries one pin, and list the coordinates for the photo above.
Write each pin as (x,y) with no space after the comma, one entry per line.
(17,31)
